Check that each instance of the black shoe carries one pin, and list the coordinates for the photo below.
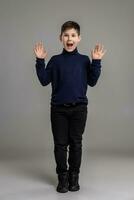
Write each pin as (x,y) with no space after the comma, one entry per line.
(63,183)
(73,182)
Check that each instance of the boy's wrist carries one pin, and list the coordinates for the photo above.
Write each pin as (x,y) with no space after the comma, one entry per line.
(37,58)
(96,61)
(40,60)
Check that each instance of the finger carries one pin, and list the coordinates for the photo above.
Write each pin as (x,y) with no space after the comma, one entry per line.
(102,48)
(95,52)
(39,45)
(92,53)
(36,47)
(42,46)
(104,51)
(96,47)
(99,47)
(35,50)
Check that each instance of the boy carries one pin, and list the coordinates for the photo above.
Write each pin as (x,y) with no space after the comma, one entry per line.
(69,73)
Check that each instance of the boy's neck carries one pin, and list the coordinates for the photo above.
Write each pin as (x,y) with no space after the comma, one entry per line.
(75,51)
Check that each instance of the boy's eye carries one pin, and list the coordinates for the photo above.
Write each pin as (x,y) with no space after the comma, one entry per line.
(66,35)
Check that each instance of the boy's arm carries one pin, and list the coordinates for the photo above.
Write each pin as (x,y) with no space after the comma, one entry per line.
(94,68)
(44,74)
(93,72)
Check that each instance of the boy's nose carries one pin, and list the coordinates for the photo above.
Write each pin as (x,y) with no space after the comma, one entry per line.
(69,37)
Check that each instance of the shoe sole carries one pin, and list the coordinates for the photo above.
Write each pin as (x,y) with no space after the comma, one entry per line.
(75,189)
(62,191)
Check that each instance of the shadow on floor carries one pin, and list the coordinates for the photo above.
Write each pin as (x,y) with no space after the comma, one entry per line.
(35,170)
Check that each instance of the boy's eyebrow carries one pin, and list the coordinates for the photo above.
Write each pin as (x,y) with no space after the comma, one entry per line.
(71,33)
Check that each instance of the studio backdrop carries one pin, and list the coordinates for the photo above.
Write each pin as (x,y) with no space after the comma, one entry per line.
(25,105)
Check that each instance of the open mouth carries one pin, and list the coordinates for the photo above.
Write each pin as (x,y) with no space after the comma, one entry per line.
(69,44)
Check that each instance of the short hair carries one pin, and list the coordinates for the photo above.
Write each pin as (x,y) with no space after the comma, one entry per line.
(70,25)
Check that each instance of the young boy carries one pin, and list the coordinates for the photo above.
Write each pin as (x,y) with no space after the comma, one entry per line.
(69,74)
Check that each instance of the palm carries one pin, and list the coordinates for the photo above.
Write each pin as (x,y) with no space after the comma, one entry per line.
(98,52)
(40,51)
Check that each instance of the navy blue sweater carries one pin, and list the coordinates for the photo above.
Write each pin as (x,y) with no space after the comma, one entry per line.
(69,74)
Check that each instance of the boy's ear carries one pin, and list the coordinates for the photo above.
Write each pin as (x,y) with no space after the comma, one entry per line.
(79,38)
(60,38)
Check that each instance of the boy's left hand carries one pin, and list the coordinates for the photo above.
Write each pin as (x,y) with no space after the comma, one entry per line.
(98,52)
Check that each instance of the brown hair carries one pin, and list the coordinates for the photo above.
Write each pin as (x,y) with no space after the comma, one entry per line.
(69,25)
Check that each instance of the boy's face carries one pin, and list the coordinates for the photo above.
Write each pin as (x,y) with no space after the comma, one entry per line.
(70,39)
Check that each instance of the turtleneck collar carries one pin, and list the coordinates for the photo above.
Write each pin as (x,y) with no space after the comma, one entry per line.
(75,51)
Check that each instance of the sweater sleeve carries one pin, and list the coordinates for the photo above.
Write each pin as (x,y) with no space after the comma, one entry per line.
(93,72)
(43,73)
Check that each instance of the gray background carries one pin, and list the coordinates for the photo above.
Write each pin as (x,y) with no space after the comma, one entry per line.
(25,105)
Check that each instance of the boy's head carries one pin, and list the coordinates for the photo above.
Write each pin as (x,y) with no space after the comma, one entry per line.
(70,35)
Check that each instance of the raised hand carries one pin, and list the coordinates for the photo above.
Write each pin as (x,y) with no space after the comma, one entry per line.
(98,52)
(40,51)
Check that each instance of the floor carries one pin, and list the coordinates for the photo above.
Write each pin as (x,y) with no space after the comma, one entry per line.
(102,177)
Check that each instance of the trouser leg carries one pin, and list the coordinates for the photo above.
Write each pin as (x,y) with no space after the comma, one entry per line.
(77,124)
(59,124)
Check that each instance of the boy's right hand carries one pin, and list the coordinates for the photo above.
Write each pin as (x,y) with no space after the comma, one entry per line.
(40,51)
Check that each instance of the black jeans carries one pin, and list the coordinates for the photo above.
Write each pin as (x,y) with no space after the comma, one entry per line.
(68,125)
